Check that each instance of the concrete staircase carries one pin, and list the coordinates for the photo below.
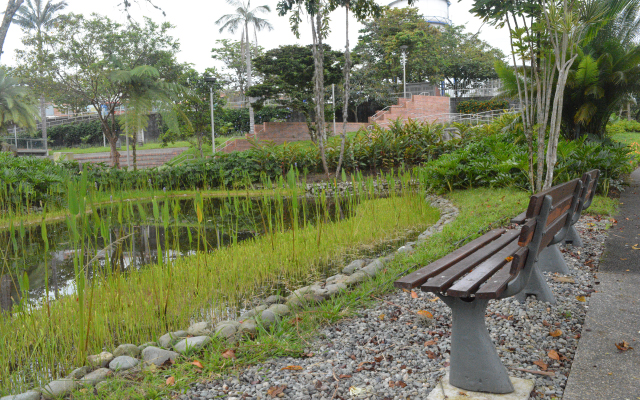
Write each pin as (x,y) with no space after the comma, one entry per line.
(418,107)
(145,158)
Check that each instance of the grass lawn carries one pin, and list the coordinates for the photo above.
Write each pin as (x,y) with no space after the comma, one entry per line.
(627,138)
(146,146)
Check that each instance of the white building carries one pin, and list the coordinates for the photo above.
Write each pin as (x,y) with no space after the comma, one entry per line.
(435,12)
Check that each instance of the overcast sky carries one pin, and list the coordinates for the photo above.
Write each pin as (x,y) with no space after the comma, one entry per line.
(195,27)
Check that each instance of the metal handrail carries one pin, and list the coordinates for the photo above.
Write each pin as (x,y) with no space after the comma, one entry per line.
(477,118)
(25,143)
(182,158)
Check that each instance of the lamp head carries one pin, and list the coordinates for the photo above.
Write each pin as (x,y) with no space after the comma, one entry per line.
(404,48)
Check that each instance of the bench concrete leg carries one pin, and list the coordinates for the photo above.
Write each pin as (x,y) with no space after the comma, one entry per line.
(475,364)
(550,260)
(537,286)
(573,238)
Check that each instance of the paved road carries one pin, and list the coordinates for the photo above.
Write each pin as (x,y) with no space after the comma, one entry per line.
(600,371)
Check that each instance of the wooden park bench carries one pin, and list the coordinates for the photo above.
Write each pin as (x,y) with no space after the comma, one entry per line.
(550,259)
(497,265)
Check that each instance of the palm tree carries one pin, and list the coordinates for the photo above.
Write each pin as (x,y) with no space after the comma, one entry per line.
(244,18)
(147,92)
(15,105)
(39,16)
(607,73)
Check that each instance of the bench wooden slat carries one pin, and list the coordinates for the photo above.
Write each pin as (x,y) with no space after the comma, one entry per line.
(559,209)
(552,230)
(557,193)
(494,286)
(441,282)
(519,259)
(420,276)
(467,285)
(526,233)
(520,218)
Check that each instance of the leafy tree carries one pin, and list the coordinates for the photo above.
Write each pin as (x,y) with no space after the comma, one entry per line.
(246,18)
(145,91)
(83,53)
(468,60)
(380,40)
(605,74)
(38,16)
(289,78)
(194,109)
(16,105)
(232,54)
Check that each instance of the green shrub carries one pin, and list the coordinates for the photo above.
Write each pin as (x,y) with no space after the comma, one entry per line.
(84,133)
(478,106)
(622,126)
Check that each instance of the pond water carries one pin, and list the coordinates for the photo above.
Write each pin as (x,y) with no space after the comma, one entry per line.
(44,258)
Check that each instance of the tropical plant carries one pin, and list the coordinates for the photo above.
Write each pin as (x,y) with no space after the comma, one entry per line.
(16,105)
(245,18)
(606,73)
(38,16)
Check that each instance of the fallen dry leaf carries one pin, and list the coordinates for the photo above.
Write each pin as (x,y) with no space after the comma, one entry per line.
(381,317)
(553,355)
(509,258)
(623,346)
(431,355)
(401,384)
(545,323)
(292,368)
(414,295)
(425,314)
(543,366)
(563,279)
(355,391)
(635,247)
(581,298)
(197,364)
(555,333)
(344,376)
(405,290)
(462,394)
(274,391)
(430,343)
(171,381)
(231,354)
(436,299)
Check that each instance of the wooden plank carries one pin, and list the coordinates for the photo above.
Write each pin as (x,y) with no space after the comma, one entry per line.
(526,233)
(519,260)
(551,231)
(494,286)
(467,285)
(520,218)
(441,282)
(559,209)
(557,193)
(420,276)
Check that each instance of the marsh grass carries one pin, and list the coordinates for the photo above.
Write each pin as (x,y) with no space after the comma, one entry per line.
(111,305)
(480,210)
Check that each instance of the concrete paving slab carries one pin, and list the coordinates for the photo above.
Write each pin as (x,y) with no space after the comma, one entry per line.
(600,371)
(443,390)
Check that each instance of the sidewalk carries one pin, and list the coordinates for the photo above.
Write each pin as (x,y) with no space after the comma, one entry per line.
(600,371)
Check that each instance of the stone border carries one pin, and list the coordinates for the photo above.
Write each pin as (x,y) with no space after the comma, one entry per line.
(128,356)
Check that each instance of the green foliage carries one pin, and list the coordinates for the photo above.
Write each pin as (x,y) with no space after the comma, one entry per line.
(30,181)
(16,106)
(623,126)
(499,159)
(478,106)
(71,135)
(235,121)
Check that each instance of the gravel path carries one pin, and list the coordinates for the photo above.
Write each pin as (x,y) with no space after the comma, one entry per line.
(390,352)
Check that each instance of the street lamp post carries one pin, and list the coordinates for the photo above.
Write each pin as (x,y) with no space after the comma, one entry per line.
(211,81)
(404,69)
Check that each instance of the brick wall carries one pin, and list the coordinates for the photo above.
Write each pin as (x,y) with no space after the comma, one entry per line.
(281,132)
(418,107)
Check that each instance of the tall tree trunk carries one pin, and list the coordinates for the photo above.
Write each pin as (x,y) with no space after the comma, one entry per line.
(252,123)
(345,106)
(43,117)
(318,55)
(12,7)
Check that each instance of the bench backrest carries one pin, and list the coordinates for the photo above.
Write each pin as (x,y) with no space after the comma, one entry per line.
(589,185)
(549,217)
(551,221)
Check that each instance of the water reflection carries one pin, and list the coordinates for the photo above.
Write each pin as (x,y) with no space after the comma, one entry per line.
(129,245)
